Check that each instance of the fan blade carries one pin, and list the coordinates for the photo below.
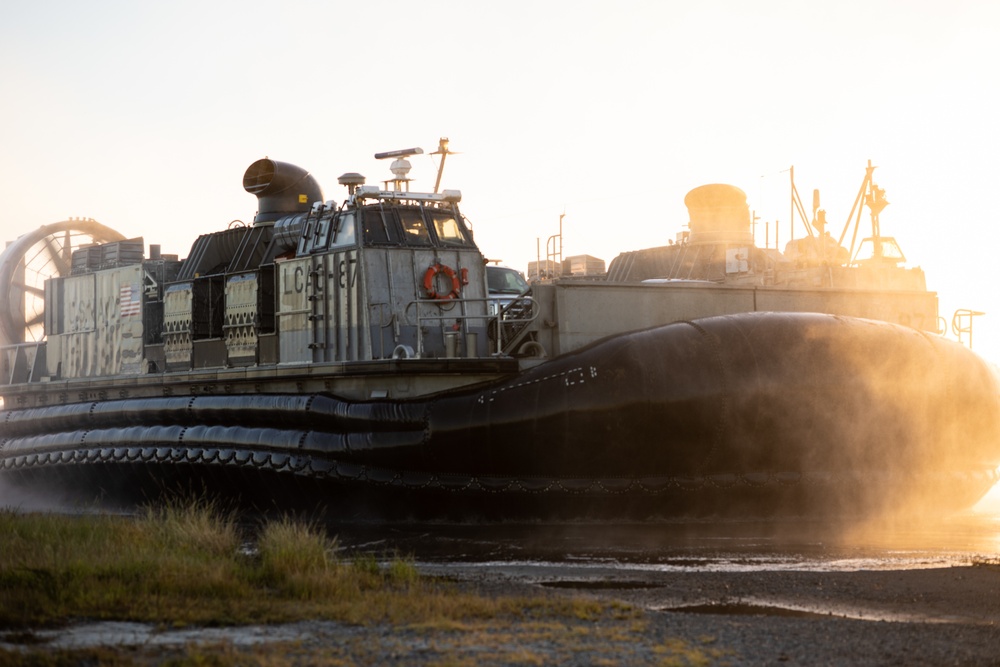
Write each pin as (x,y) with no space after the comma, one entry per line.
(56,255)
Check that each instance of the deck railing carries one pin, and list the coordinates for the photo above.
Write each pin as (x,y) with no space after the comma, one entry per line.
(506,327)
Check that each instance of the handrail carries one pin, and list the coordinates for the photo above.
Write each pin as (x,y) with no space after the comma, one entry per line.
(497,318)
(959,326)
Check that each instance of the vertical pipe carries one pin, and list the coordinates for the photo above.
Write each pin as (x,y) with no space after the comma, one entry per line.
(791,196)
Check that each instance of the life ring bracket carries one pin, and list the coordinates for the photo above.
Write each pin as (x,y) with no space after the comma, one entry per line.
(430,282)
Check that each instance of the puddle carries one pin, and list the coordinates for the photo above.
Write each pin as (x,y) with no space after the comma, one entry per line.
(825,611)
(743,609)
(118,633)
(600,585)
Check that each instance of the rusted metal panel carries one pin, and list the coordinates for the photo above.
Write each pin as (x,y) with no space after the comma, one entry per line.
(99,324)
(77,353)
(79,303)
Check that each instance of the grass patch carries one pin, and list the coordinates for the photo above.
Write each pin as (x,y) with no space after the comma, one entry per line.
(185,564)
(189,565)
(160,567)
(680,653)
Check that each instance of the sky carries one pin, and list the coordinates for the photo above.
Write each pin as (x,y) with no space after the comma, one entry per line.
(144,116)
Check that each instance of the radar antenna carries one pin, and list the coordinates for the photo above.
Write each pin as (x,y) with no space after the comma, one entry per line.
(400,167)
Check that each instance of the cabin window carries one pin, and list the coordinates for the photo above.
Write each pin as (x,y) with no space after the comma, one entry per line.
(378,228)
(322,234)
(307,233)
(412,226)
(344,231)
(414,230)
(449,231)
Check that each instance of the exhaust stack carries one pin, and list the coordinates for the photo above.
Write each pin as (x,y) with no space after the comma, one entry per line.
(281,189)
(718,214)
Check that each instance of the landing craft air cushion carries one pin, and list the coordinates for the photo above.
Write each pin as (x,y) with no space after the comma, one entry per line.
(352,354)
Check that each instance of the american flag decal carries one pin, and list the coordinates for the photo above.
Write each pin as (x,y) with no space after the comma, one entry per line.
(130,300)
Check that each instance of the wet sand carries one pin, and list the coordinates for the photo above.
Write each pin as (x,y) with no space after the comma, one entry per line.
(740,592)
(937,616)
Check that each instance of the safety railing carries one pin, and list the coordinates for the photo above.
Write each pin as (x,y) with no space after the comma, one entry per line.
(503,327)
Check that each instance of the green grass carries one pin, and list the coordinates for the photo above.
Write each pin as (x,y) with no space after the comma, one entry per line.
(187,565)
(190,565)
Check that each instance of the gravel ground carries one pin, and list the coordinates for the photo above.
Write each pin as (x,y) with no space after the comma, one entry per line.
(943,616)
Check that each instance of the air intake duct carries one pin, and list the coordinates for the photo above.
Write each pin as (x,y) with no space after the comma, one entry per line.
(281,189)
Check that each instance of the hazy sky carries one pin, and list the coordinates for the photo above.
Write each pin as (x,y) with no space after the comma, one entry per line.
(145,115)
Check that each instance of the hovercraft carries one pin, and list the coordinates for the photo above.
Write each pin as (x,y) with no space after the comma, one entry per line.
(352,354)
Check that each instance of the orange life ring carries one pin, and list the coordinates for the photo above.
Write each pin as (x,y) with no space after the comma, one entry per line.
(432,271)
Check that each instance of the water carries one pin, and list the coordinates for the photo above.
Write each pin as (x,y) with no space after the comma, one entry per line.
(972,536)
(680,545)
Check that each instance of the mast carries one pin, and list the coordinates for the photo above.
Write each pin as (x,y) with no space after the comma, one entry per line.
(873,197)
(876,201)
(444,153)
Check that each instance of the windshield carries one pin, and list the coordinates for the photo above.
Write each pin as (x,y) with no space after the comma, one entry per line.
(502,280)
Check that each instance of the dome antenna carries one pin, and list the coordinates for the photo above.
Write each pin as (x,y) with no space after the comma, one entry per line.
(400,167)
